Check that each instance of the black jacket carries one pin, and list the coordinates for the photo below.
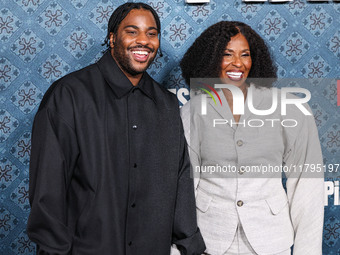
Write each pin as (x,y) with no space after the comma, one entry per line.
(109,170)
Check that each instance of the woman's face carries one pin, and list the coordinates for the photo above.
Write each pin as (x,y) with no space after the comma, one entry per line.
(236,61)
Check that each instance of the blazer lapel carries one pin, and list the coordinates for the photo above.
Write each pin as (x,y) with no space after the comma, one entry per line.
(224,109)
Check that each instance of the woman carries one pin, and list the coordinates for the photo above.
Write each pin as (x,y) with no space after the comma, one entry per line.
(248,211)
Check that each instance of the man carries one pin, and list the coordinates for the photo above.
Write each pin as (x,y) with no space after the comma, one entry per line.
(109,171)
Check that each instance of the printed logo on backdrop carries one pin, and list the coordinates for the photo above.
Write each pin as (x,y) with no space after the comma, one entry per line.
(285,1)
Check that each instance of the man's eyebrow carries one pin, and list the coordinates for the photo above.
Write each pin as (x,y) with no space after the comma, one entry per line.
(132,26)
(136,27)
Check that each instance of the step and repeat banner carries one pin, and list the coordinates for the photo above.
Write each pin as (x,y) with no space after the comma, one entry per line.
(43,40)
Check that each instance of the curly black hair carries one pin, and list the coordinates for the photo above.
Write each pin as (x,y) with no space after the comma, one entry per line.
(203,59)
(121,12)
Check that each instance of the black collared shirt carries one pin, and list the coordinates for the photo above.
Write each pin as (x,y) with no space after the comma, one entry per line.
(109,170)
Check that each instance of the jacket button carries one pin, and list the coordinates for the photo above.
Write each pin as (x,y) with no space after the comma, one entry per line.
(241,170)
(130,243)
(134,127)
(135,165)
(239,143)
(239,203)
(133,205)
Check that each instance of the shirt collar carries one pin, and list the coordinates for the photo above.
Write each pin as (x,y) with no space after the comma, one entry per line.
(119,83)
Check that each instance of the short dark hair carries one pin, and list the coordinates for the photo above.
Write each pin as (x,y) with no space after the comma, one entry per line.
(203,59)
(121,12)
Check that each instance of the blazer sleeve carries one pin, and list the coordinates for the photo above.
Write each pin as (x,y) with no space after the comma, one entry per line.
(190,125)
(54,153)
(305,188)
(186,234)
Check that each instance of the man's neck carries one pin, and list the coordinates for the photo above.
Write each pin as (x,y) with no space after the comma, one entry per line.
(134,79)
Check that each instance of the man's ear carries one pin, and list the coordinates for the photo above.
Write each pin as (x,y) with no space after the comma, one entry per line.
(112,40)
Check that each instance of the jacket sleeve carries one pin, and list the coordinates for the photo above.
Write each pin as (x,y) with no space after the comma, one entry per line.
(54,152)
(186,234)
(190,126)
(305,188)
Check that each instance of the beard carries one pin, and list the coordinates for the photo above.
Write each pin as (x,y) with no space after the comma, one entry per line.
(125,61)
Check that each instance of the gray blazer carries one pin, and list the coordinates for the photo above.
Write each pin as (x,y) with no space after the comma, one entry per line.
(225,158)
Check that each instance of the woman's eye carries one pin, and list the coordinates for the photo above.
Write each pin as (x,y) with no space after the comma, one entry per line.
(131,32)
(227,54)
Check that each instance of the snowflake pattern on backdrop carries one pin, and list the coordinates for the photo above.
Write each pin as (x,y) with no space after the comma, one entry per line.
(43,40)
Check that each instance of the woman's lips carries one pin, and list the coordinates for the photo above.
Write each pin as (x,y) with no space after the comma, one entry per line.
(140,55)
(235,76)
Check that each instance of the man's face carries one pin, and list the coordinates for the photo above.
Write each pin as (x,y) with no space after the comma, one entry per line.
(136,43)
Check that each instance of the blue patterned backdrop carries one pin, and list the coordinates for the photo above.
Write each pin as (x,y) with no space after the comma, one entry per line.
(42,40)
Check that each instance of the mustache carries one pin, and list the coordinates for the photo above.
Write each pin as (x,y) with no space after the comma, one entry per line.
(141,47)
